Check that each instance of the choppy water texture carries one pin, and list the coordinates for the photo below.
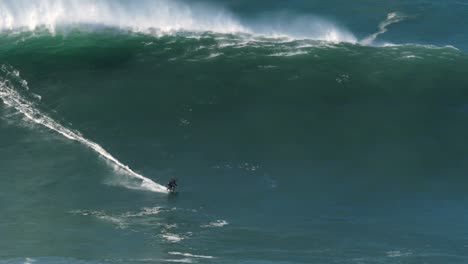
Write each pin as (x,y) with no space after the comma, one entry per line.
(306,132)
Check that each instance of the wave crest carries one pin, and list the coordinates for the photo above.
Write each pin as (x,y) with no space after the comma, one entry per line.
(158,17)
(163,15)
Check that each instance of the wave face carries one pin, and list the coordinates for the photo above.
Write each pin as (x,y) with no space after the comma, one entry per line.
(11,97)
(288,145)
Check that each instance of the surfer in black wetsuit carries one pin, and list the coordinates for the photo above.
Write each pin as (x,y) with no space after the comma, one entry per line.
(172,185)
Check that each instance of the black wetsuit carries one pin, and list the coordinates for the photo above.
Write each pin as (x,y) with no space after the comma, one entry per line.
(172,185)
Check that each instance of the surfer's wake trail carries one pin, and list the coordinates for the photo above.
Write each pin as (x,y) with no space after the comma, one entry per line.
(14,99)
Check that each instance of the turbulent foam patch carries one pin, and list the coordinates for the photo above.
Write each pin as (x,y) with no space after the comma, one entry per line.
(173,238)
(184,260)
(398,253)
(11,97)
(29,261)
(218,223)
(147,211)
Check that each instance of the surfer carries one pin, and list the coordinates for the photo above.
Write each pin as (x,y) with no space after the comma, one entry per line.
(171,186)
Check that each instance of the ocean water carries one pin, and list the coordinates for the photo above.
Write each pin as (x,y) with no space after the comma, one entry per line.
(300,131)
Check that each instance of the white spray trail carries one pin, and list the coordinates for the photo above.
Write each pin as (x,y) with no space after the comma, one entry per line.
(13,99)
(392,18)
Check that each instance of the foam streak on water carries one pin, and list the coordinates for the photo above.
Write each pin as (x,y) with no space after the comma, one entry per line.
(13,99)
(190,255)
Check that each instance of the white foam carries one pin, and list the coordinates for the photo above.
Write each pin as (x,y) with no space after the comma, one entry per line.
(214,55)
(29,261)
(289,53)
(170,226)
(411,57)
(120,223)
(398,253)
(292,27)
(173,238)
(393,45)
(184,260)
(218,223)
(146,211)
(190,255)
(128,219)
(12,98)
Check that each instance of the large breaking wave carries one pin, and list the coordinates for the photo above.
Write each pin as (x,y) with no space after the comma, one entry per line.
(157,17)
